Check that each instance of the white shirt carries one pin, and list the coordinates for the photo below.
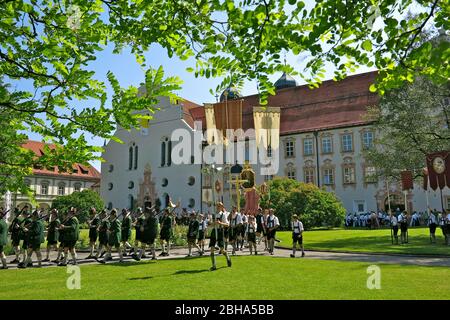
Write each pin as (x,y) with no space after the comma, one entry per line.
(235,220)
(202,225)
(431,219)
(297,226)
(393,221)
(272,221)
(251,227)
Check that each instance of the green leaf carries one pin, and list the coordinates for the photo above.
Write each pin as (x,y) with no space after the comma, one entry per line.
(367,45)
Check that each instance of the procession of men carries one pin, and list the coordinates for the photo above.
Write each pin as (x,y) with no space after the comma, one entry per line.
(110,234)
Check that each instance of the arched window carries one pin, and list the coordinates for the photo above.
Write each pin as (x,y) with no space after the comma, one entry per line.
(191,181)
(130,158)
(169,152)
(111,168)
(191,203)
(110,206)
(77,186)
(135,157)
(110,186)
(130,185)
(165,182)
(163,154)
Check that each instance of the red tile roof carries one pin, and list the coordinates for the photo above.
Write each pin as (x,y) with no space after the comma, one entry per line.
(332,105)
(84,172)
(187,106)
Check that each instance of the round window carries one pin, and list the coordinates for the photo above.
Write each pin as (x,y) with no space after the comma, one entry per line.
(191,203)
(111,168)
(191,181)
(165,182)
(130,185)
(110,186)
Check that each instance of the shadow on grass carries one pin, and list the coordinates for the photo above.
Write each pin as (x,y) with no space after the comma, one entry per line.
(141,278)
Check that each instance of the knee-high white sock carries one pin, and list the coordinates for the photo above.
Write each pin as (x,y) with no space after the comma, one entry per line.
(153,251)
(39,257)
(168,247)
(3,258)
(73,254)
(213,259)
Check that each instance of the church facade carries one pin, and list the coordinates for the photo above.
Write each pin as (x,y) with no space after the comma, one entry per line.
(323,133)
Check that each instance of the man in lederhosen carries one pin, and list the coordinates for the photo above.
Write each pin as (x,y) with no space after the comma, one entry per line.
(166,233)
(94,223)
(138,226)
(259,225)
(250,234)
(114,237)
(192,233)
(394,226)
(235,222)
(202,227)
(446,230)
(242,229)
(103,239)
(432,225)
(297,235)
(15,230)
(52,233)
(219,221)
(272,225)
(403,221)
(127,222)
(35,232)
(149,232)
(71,228)
(24,233)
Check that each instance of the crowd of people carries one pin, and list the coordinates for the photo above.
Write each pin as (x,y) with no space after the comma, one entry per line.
(373,220)
(111,232)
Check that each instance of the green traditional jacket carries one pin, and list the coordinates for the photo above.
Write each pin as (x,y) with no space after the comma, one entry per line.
(151,227)
(126,223)
(193,228)
(166,223)
(14,228)
(36,233)
(115,229)
(53,232)
(71,229)
(24,234)
(3,232)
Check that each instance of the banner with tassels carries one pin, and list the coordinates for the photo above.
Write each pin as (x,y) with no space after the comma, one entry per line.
(438,167)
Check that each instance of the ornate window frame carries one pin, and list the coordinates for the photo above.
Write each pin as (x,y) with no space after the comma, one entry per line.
(311,138)
(309,167)
(348,163)
(287,141)
(322,137)
(341,138)
(328,165)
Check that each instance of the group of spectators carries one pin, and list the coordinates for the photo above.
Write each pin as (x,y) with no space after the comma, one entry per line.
(373,220)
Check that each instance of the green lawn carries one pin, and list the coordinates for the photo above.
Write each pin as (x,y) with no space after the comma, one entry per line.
(251,277)
(375,241)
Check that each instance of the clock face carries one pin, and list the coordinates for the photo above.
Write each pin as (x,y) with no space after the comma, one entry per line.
(439,165)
